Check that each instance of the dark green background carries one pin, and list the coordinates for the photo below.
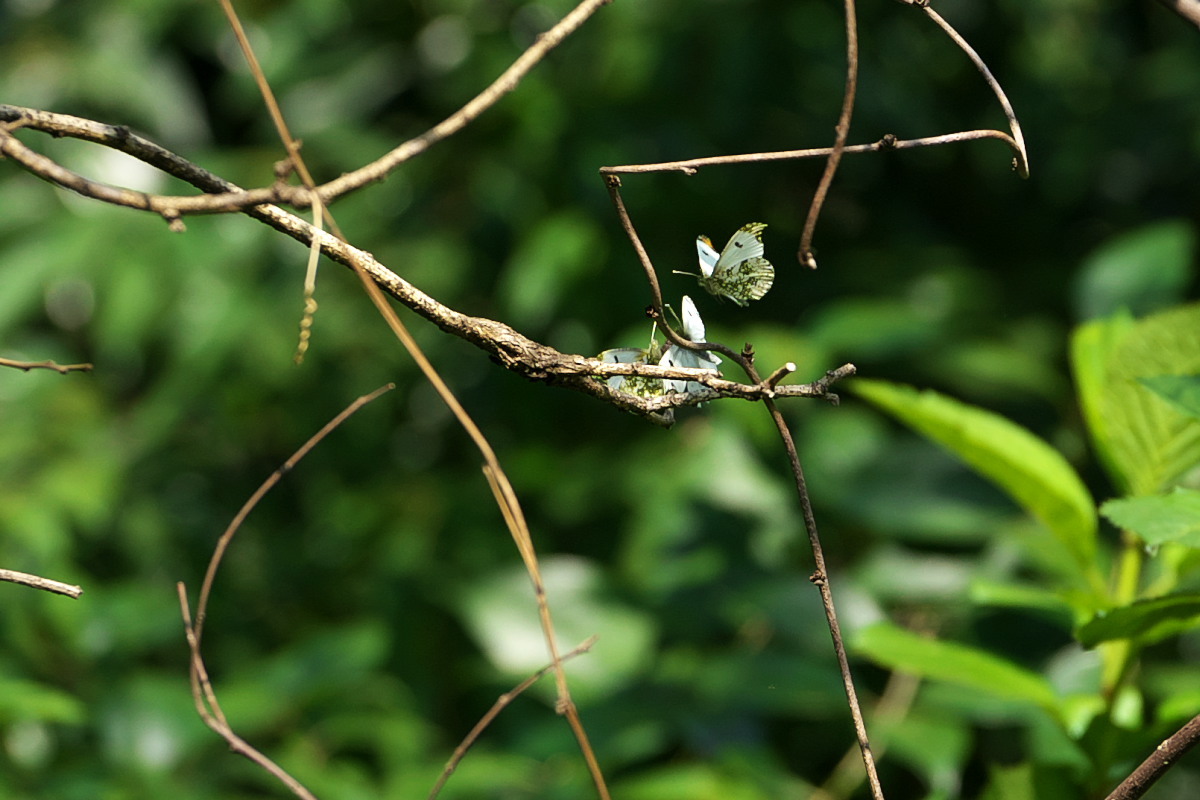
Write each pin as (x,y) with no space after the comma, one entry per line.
(368,612)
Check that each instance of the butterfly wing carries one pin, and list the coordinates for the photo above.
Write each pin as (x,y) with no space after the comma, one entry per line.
(622,355)
(746,242)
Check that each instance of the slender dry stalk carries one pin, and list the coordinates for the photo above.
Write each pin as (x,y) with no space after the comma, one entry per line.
(503,492)
(501,703)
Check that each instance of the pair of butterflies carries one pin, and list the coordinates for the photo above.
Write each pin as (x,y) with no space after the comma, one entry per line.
(670,356)
(738,272)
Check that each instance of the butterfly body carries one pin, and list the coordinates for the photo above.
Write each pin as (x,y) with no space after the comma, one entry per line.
(739,271)
(675,356)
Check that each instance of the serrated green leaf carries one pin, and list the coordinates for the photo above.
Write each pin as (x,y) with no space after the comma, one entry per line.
(1159,519)
(1181,391)
(1145,621)
(1146,444)
(902,650)
(1031,472)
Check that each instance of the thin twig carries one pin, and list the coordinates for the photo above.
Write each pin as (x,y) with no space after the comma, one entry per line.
(508,81)
(61,369)
(1165,756)
(805,253)
(205,697)
(889,142)
(203,694)
(38,582)
(1021,162)
(820,578)
(501,703)
(226,537)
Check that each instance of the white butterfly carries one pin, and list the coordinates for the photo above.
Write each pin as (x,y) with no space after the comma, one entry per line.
(675,356)
(739,272)
(635,384)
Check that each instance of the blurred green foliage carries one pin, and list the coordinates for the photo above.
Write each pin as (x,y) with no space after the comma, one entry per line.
(373,606)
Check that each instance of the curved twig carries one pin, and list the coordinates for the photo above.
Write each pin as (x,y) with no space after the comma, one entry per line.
(1021,162)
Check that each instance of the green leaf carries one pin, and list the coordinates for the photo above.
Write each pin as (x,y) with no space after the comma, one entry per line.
(1145,621)
(1159,519)
(1181,391)
(1030,471)
(902,650)
(1148,445)
(1092,345)
(1142,271)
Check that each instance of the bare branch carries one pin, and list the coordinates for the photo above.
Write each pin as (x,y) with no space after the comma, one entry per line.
(61,369)
(38,582)
(820,578)
(236,199)
(888,142)
(805,253)
(531,359)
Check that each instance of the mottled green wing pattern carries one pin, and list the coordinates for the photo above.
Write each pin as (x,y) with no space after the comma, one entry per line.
(741,273)
(635,384)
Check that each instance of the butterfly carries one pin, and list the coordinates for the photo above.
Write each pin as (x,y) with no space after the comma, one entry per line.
(675,356)
(739,272)
(635,384)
